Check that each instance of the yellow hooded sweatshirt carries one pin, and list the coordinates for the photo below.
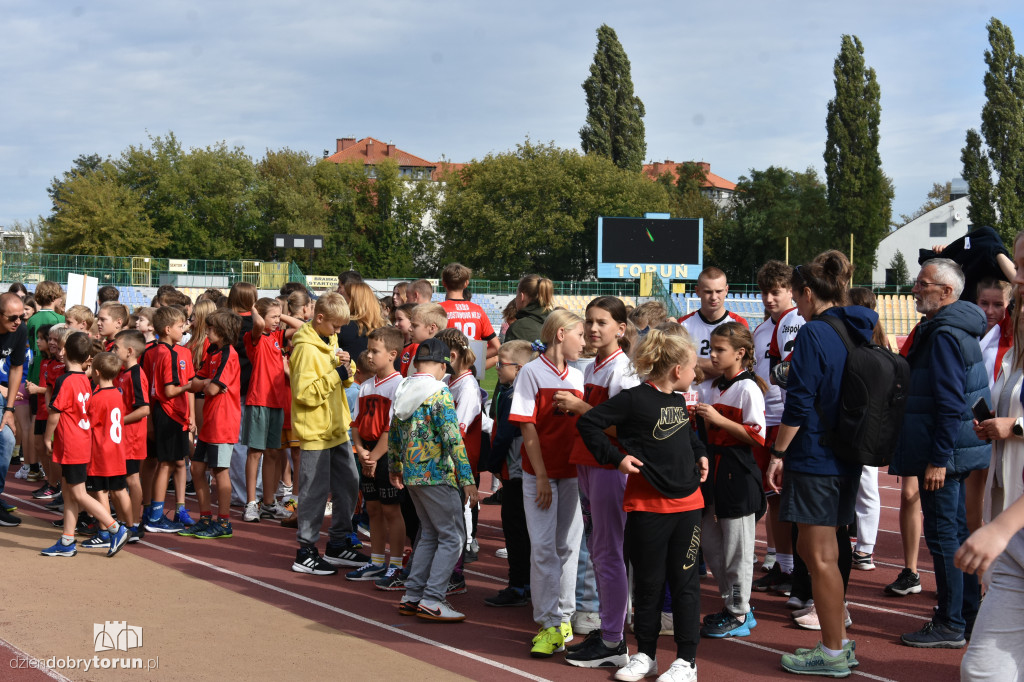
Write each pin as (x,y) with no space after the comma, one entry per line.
(320,416)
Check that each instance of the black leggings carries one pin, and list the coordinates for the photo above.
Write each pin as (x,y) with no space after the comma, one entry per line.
(663,549)
(802,578)
(517,537)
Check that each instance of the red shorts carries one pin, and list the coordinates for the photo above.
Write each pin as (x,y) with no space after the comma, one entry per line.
(763,456)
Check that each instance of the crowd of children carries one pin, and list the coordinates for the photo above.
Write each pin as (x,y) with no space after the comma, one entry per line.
(641,439)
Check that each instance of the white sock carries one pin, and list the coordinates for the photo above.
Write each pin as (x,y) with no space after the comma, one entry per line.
(785,562)
(610,644)
(832,652)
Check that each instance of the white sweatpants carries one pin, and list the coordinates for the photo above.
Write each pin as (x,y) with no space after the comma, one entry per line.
(868,510)
(555,535)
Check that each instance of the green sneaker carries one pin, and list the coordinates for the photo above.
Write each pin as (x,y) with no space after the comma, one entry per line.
(548,642)
(202,524)
(566,629)
(816,662)
(215,531)
(850,649)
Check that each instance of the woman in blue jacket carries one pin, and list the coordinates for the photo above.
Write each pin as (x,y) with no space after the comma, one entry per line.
(820,491)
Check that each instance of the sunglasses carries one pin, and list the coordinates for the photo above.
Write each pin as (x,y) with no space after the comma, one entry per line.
(13,318)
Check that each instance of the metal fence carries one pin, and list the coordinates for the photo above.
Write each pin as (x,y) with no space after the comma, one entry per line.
(145,271)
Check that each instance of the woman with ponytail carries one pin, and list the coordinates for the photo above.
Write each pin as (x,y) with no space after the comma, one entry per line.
(534,301)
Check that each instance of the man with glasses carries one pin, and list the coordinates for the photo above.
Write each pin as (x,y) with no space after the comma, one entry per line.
(938,444)
(13,345)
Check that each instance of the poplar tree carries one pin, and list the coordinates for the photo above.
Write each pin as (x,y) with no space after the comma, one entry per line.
(615,126)
(859,193)
(1002,125)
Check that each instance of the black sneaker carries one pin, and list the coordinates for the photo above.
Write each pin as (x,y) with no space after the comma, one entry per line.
(393,581)
(493,498)
(456,585)
(41,488)
(345,555)
(57,503)
(510,596)
(768,582)
(906,583)
(8,519)
(594,654)
(935,636)
(47,492)
(308,560)
(579,645)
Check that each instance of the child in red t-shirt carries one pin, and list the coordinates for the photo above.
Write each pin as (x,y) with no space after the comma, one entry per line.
(43,469)
(129,346)
(551,496)
(68,437)
(263,419)
(173,414)
(107,473)
(370,443)
(219,379)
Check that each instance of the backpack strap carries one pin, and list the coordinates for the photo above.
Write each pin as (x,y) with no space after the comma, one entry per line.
(840,328)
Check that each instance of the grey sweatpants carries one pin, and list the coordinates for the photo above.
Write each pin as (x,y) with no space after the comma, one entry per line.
(728,546)
(442,535)
(555,536)
(320,472)
(995,651)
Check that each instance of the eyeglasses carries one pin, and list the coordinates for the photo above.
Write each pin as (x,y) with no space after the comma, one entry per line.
(921,284)
(13,318)
(508,364)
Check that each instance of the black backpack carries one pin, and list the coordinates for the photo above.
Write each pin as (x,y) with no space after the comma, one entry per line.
(872,401)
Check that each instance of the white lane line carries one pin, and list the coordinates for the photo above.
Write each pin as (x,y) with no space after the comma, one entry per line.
(776,651)
(892,611)
(37,663)
(900,566)
(354,616)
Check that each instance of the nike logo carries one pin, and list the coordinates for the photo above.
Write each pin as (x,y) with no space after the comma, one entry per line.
(671,421)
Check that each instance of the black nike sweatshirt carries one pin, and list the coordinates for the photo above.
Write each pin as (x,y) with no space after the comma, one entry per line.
(655,428)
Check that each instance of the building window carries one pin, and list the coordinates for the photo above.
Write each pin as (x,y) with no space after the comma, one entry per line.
(937,230)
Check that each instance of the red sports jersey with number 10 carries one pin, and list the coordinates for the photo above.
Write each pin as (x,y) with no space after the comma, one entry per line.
(71,441)
(533,402)
(106,416)
(470,319)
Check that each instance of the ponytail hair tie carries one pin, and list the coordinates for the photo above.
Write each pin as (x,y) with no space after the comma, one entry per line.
(538,346)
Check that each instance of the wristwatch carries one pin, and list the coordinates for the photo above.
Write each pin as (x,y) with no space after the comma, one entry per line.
(1018,427)
(777,453)
(11,409)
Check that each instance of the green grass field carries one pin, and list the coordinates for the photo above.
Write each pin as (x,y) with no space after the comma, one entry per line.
(490,380)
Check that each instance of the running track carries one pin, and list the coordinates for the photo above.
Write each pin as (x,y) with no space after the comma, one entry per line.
(493,644)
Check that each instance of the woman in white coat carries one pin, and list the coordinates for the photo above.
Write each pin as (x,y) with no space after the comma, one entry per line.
(1006,431)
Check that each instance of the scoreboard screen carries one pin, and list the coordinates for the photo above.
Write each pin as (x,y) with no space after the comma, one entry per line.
(671,248)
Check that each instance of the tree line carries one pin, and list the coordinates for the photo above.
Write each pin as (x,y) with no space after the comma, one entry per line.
(531,208)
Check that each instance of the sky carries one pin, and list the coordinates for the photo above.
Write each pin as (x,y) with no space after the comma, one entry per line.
(741,85)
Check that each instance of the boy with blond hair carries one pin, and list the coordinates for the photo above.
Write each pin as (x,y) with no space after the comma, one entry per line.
(320,371)
(426,320)
(80,318)
(110,320)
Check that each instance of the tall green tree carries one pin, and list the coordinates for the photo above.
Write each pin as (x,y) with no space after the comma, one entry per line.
(96,215)
(859,193)
(770,206)
(615,126)
(900,270)
(977,172)
(1002,125)
(535,209)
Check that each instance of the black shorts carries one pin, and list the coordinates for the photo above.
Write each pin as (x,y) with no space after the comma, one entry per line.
(818,500)
(40,427)
(378,488)
(74,473)
(132,466)
(170,440)
(102,484)
(33,407)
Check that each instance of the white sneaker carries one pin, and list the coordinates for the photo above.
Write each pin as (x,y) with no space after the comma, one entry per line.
(679,671)
(22,472)
(585,622)
(667,626)
(329,509)
(639,667)
(440,611)
(283,490)
(252,512)
(502,553)
(808,607)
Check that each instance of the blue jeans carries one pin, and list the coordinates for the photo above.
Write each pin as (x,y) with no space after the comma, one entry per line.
(6,448)
(945,529)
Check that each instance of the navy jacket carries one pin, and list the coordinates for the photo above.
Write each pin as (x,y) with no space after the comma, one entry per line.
(813,389)
(947,376)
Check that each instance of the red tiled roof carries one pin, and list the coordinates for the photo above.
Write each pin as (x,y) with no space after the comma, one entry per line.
(658,168)
(445,167)
(370,151)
